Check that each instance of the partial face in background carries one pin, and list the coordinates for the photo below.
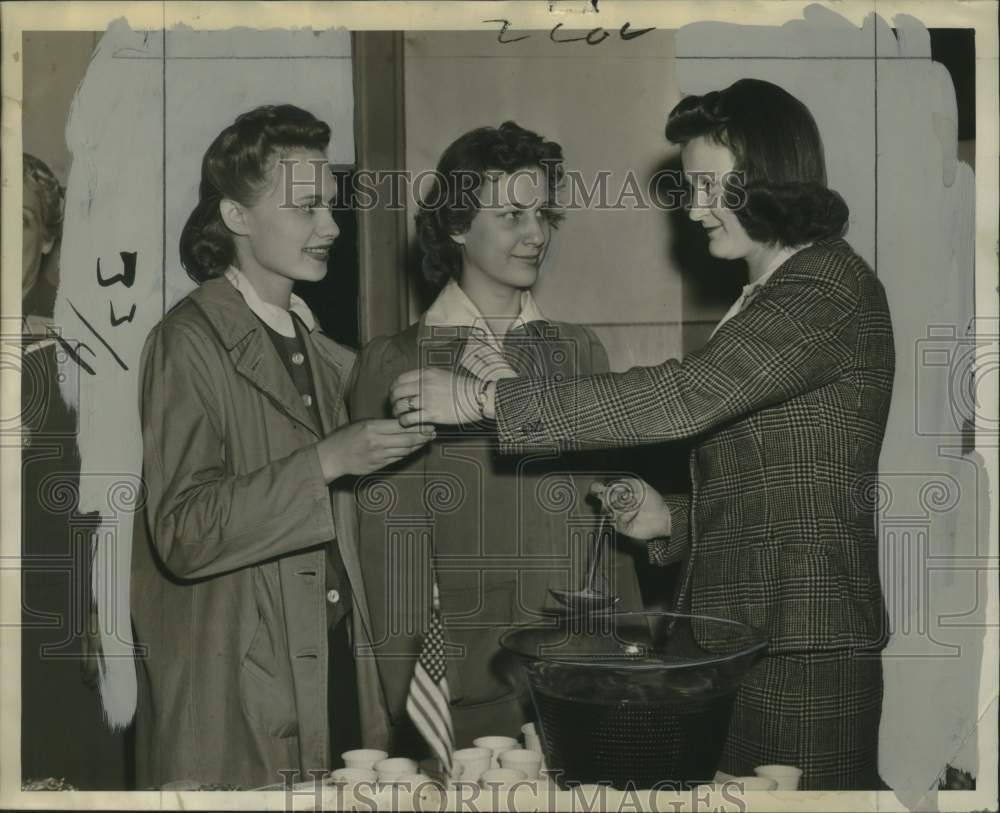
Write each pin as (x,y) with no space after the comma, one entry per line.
(706,165)
(289,230)
(506,240)
(37,242)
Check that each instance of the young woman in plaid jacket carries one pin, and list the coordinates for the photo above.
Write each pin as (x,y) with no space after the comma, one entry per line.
(787,406)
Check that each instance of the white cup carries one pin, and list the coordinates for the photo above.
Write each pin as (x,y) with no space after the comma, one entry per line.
(527,762)
(362,758)
(389,770)
(786,776)
(755,782)
(349,776)
(500,778)
(532,741)
(470,763)
(497,746)
(413,782)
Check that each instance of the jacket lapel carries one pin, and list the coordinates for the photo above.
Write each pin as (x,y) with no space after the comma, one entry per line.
(250,348)
(257,360)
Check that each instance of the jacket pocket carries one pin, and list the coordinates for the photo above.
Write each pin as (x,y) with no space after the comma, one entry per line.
(797,593)
(266,687)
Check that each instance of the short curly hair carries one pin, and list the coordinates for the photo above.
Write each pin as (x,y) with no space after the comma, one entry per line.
(778,153)
(452,200)
(51,194)
(237,165)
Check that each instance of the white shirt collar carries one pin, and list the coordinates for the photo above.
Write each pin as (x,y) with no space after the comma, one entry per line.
(750,287)
(776,263)
(278,319)
(453,308)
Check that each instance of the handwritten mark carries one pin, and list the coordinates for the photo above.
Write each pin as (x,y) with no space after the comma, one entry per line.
(589,36)
(66,346)
(627,35)
(127,277)
(503,30)
(126,318)
(593,37)
(100,338)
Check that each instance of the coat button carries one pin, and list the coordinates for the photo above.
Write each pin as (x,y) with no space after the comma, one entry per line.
(333,596)
(307,400)
(298,358)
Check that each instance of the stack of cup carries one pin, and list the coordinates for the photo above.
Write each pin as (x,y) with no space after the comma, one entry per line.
(496,745)
(532,741)
(393,771)
(351,776)
(468,764)
(363,758)
(520,759)
(785,777)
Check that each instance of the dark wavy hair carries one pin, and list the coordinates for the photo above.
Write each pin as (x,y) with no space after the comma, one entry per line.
(452,200)
(778,153)
(237,166)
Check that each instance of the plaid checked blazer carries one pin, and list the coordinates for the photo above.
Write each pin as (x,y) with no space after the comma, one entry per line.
(787,406)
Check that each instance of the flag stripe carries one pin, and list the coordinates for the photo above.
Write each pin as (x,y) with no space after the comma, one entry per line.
(428,702)
(439,746)
(438,705)
(432,720)
(440,697)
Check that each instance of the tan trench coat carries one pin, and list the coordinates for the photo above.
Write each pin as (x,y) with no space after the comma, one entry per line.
(229,599)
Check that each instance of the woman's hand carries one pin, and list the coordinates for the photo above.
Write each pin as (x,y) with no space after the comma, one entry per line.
(366,446)
(435,396)
(636,509)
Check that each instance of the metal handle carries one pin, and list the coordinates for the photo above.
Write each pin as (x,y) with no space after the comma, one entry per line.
(596,554)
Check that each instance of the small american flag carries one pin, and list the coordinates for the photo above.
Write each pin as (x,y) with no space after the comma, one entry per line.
(428,702)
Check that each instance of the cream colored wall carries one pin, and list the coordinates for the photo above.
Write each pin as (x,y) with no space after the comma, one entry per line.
(607,106)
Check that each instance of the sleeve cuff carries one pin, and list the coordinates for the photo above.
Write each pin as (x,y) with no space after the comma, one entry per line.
(664,551)
(517,414)
(325,518)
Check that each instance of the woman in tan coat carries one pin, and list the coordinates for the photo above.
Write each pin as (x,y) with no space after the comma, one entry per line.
(246,589)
